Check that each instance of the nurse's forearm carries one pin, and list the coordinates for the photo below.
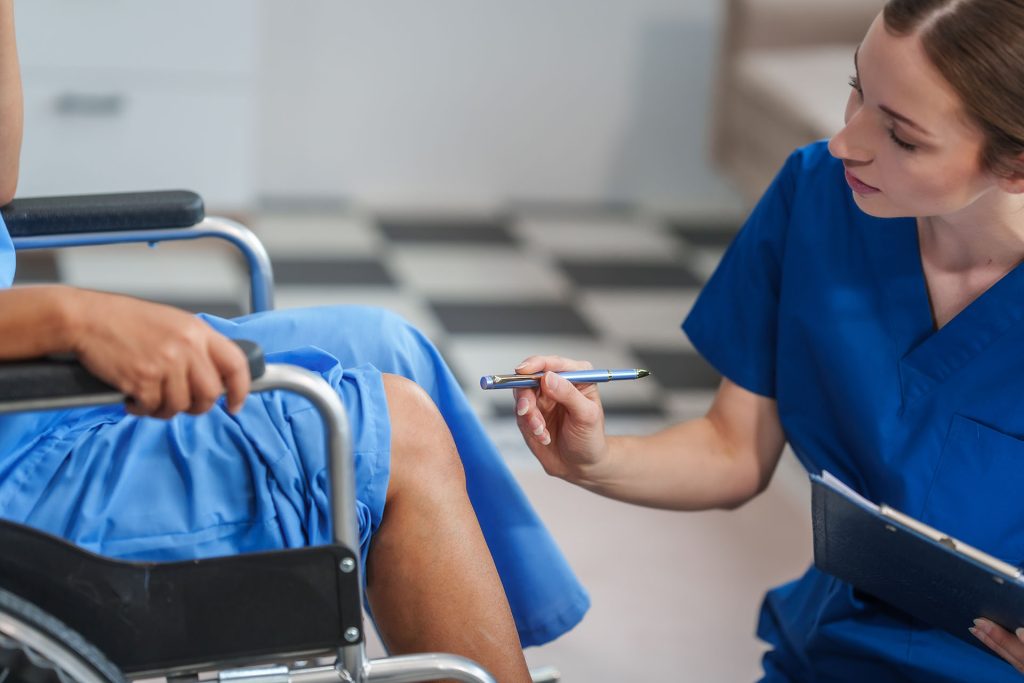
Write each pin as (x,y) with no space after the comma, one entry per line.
(11,108)
(686,467)
(721,460)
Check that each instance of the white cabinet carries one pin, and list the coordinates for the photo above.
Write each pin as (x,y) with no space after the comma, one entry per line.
(138,95)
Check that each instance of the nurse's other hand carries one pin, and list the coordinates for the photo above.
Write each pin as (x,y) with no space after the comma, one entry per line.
(166,360)
(1007,645)
(561,422)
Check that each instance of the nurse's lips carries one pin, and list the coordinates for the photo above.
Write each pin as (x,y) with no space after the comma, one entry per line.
(858,186)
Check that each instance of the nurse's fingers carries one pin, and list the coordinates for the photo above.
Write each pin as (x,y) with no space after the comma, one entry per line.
(583,411)
(554,363)
(528,417)
(1001,641)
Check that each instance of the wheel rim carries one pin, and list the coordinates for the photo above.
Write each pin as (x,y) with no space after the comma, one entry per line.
(42,651)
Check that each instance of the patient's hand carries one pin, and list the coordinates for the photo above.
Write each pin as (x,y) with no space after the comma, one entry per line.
(168,361)
(1007,645)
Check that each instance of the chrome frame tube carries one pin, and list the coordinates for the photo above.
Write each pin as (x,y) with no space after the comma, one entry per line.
(261,274)
(411,668)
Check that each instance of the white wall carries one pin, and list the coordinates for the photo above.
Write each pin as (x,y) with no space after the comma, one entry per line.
(456,102)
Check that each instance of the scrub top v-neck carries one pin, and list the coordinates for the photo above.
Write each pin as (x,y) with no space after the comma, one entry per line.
(825,309)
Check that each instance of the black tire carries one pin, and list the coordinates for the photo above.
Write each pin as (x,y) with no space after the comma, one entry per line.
(35,647)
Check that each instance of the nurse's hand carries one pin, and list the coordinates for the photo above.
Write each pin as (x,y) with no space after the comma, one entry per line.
(1007,645)
(561,422)
(166,360)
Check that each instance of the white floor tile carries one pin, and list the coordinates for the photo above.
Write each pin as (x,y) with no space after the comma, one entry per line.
(474,273)
(194,270)
(646,318)
(319,236)
(599,238)
(409,307)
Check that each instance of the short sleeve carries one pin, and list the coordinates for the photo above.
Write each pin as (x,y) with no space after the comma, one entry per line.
(734,322)
(6,256)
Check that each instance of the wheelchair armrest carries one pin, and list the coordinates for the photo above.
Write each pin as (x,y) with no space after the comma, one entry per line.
(34,216)
(56,378)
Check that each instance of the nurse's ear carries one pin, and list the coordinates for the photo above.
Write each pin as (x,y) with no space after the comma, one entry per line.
(1011,179)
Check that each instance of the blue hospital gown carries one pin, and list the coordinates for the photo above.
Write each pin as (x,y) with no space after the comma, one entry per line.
(825,308)
(216,484)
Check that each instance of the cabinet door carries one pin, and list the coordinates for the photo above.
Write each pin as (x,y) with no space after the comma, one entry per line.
(110,135)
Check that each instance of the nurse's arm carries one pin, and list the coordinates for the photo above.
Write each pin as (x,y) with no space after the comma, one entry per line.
(168,361)
(11,115)
(720,460)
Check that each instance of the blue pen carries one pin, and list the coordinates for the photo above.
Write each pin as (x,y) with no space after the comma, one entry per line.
(574,376)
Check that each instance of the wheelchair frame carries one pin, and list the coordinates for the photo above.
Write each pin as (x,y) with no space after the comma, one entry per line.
(159,585)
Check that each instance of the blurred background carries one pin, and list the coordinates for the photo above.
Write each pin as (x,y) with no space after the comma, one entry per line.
(515,178)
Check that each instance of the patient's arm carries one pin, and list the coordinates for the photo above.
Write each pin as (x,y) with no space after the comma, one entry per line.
(168,361)
(10,104)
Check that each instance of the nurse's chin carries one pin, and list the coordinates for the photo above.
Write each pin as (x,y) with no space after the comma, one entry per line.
(878,205)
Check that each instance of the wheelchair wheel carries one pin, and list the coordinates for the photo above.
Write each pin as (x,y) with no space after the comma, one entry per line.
(37,648)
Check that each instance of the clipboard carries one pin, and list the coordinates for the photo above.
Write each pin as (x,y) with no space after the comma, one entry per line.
(910,565)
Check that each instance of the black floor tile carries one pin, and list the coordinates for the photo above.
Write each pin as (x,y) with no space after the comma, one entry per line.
(36,267)
(714,234)
(447,231)
(514,318)
(334,271)
(633,275)
(678,369)
(221,309)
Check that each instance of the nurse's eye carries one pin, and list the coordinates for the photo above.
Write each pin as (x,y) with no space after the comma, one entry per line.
(855,84)
(902,144)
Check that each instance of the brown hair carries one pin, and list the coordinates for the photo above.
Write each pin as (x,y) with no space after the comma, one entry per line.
(978,47)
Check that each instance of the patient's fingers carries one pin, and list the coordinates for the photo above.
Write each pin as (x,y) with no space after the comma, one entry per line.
(176,395)
(234,370)
(205,384)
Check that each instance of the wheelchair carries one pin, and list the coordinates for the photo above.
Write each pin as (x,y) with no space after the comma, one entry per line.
(69,615)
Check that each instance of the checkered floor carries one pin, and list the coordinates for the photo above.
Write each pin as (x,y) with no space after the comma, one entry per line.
(610,286)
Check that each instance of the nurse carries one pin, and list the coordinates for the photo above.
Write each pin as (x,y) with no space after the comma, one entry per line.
(871,314)
(456,559)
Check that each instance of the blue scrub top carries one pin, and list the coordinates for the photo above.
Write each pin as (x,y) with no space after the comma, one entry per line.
(825,309)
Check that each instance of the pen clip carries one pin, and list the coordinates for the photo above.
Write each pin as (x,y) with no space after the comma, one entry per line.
(505,379)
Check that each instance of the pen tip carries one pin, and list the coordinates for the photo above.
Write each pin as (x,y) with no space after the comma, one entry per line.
(640,372)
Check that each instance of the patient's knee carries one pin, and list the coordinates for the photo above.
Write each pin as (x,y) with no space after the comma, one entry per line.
(423,453)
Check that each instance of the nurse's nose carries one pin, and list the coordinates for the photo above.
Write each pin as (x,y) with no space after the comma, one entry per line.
(850,143)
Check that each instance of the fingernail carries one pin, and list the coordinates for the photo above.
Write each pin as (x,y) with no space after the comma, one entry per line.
(1020,633)
(554,380)
(546,439)
(981,625)
(521,366)
(538,431)
(974,632)
(522,406)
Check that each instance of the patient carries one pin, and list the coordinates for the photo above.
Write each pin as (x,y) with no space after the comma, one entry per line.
(436,502)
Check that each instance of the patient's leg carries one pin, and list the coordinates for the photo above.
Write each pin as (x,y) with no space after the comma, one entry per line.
(431,581)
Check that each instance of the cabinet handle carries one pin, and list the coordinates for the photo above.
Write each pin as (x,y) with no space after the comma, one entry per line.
(84,104)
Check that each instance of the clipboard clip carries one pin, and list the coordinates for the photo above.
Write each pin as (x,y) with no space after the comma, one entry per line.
(1005,569)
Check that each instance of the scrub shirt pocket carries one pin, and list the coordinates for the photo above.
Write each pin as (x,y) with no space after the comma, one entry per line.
(976,495)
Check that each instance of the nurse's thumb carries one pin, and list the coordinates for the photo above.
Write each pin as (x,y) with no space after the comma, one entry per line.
(563,392)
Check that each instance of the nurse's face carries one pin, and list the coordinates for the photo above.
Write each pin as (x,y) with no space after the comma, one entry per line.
(908,146)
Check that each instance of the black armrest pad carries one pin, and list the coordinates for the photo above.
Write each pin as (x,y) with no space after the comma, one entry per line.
(61,378)
(33,216)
